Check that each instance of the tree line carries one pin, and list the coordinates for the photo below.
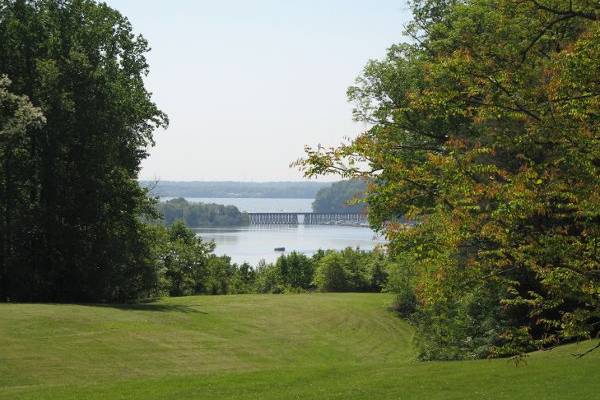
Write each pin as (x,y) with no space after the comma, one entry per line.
(188,266)
(341,197)
(200,214)
(485,130)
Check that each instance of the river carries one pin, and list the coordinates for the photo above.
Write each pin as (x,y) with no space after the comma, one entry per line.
(258,242)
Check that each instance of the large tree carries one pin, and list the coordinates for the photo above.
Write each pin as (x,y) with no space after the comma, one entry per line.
(485,130)
(18,118)
(79,62)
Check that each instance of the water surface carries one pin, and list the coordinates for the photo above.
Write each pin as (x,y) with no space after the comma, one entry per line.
(258,242)
(254,243)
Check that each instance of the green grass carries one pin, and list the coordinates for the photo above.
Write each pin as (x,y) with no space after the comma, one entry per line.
(317,346)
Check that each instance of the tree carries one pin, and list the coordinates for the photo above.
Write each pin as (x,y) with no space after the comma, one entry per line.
(330,274)
(295,270)
(184,260)
(485,131)
(351,270)
(220,275)
(243,279)
(200,214)
(18,117)
(341,197)
(81,64)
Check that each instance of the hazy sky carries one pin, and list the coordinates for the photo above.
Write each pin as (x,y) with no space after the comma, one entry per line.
(248,83)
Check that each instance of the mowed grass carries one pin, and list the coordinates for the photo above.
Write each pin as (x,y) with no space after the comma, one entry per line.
(313,346)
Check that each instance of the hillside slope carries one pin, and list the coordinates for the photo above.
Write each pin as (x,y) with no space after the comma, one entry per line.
(322,346)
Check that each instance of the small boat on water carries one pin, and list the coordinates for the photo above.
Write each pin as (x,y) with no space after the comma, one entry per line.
(279,248)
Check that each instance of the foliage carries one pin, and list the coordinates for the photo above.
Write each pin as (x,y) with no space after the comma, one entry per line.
(71,205)
(220,275)
(401,281)
(341,197)
(296,270)
(331,274)
(290,273)
(267,279)
(351,270)
(200,214)
(188,266)
(243,279)
(183,260)
(485,130)
(18,118)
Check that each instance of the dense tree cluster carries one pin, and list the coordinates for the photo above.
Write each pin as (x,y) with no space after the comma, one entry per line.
(188,266)
(341,197)
(201,214)
(485,129)
(349,270)
(71,205)
(17,117)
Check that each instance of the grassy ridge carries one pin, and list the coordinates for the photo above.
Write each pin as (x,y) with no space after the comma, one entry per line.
(332,346)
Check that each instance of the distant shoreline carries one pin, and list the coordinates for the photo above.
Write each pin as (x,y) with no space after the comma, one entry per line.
(235,190)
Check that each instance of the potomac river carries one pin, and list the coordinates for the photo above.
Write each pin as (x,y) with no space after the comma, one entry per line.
(257,242)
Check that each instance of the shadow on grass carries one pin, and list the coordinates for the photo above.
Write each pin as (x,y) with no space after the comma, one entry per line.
(181,308)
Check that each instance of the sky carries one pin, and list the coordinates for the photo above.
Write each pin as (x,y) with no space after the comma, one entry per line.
(248,83)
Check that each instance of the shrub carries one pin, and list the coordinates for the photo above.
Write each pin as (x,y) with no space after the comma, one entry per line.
(351,270)
(183,260)
(330,275)
(295,271)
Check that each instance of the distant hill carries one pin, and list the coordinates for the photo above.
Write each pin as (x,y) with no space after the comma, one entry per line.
(278,190)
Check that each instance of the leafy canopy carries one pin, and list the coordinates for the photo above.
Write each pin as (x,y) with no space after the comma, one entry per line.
(72,205)
(485,129)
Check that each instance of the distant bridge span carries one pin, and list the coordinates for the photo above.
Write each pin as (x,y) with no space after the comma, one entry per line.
(307,218)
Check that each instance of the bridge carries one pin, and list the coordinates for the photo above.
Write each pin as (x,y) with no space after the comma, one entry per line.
(307,218)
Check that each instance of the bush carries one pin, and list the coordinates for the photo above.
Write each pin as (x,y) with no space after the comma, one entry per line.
(295,271)
(219,275)
(183,260)
(267,279)
(331,274)
(401,282)
(351,270)
(242,280)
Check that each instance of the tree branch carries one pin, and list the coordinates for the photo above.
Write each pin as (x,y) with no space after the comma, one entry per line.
(542,33)
(569,12)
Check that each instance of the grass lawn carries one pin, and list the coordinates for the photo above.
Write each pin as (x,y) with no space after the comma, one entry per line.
(316,346)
